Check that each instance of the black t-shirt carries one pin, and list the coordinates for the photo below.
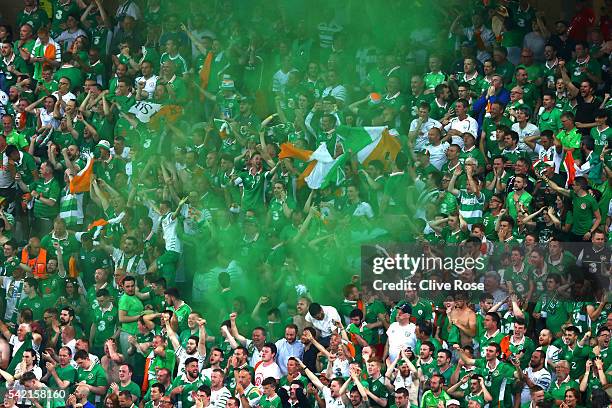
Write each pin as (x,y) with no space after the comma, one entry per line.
(595,263)
(564,48)
(585,112)
(310,359)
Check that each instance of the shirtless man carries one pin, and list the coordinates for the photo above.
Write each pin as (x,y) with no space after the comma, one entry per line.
(464,318)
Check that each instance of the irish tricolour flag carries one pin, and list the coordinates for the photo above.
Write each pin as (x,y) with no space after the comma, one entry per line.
(368,143)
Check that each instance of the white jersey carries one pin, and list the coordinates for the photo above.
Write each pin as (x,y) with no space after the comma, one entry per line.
(133,266)
(262,372)
(400,337)
(149,85)
(6,180)
(421,138)
(437,154)
(181,356)
(169,224)
(14,290)
(325,326)
(47,119)
(467,125)
(331,402)
(219,397)
(541,378)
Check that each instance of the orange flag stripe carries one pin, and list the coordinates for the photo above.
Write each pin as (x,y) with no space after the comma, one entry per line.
(289,150)
(97,223)
(386,150)
(81,182)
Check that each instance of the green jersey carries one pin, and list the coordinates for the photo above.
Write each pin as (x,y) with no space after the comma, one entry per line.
(428,368)
(525,199)
(471,206)
(584,212)
(182,313)
(484,339)
(106,324)
(273,402)
(570,139)
(555,311)
(577,357)
(498,380)
(278,219)
(189,389)
(68,373)
(578,69)
(377,387)
(94,376)
(557,390)
(36,304)
(26,167)
(433,79)
(437,111)
(253,189)
(395,190)
(51,191)
(35,18)
(133,307)
(601,138)
(550,120)
(18,64)
(69,245)
(429,400)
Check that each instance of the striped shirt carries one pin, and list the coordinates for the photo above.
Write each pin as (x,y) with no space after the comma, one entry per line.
(219,397)
(471,207)
(71,208)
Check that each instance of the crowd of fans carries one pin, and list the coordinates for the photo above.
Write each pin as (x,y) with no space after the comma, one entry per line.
(157,251)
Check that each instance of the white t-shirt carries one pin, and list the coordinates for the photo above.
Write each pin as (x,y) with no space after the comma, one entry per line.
(421,138)
(47,118)
(325,326)
(149,86)
(181,356)
(363,209)
(331,402)
(437,154)
(529,130)
(168,224)
(262,372)
(467,125)
(400,337)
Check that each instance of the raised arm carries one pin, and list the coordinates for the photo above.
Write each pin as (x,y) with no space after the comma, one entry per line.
(235,332)
(451,185)
(313,378)
(556,187)
(573,91)
(202,336)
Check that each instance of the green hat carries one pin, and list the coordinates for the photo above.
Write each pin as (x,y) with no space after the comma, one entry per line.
(525,109)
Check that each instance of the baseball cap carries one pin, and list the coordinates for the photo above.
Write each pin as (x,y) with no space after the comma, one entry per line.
(452,402)
(104,144)
(375,98)
(227,83)
(405,308)
(525,109)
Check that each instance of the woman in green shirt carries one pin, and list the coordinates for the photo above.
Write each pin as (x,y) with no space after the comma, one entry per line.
(572,396)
